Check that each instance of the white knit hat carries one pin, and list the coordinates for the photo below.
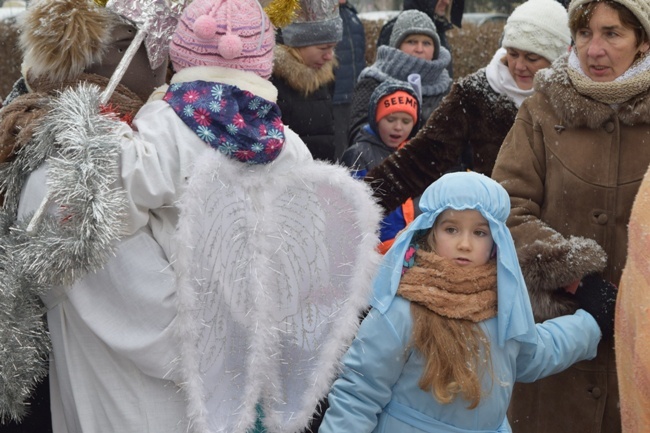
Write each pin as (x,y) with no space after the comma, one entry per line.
(540,27)
(640,9)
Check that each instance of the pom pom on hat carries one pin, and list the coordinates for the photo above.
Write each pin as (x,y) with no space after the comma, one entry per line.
(205,27)
(234,34)
(230,46)
(540,27)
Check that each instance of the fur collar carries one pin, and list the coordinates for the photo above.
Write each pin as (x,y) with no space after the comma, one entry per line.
(245,80)
(299,76)
(576,110)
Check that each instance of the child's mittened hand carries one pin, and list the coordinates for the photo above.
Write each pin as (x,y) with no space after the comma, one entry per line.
(598,297)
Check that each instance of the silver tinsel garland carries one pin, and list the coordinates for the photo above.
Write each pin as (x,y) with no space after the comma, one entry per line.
(82,148)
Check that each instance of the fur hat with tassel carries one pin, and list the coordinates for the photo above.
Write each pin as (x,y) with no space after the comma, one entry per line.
(61,38)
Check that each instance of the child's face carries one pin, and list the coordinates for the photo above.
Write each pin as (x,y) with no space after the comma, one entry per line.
(395,128)
(463,237)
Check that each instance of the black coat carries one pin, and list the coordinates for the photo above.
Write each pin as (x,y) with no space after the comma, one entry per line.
(367,153)
(350,52)
(305,99)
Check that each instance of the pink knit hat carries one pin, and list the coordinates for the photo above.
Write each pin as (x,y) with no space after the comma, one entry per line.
(233,34)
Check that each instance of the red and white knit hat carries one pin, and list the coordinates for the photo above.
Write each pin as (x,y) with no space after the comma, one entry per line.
(233,34)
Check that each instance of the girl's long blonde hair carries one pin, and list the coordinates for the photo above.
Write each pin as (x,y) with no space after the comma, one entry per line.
(456,351)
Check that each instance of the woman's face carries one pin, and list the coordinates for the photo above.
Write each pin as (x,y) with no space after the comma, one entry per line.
(606,49)
(523,65)
(420,46)
(315,56)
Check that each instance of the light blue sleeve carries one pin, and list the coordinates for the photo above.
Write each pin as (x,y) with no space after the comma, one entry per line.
(371,367)
(561,342)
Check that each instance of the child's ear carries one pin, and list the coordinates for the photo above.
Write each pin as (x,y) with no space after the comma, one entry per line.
(493,254)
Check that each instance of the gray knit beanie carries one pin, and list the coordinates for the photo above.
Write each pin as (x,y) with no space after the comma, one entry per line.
(540,27)
(640,9)
(317,22)
(414,22)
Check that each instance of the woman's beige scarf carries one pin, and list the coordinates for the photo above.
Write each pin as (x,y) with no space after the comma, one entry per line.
(634,81)
(451,291)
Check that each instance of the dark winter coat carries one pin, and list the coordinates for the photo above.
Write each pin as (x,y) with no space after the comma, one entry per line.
(572,167)
(368,152)
(305,99)
(464,132)
(350,53)
(393,63)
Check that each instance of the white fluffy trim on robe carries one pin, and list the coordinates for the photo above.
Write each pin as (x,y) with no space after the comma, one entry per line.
(275,263)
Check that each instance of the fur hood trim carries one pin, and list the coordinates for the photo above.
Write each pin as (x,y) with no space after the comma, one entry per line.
(245,80)
(299,76)
(61,38)
(576,110)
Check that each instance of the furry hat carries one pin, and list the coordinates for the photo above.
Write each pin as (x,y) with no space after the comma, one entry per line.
(382,105)
(640,9)
(61,38)
(317,22)
(414,22)
(233,34)
(540,27)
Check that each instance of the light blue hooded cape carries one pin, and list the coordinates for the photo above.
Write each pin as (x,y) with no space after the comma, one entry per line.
(462,191)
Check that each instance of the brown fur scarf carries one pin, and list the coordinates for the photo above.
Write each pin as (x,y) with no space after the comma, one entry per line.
(451,291)
(19,119)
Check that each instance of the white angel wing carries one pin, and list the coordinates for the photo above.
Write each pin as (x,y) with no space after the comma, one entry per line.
(274,267)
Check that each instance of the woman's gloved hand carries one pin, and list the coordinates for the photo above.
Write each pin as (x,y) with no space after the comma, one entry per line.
(598,297)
